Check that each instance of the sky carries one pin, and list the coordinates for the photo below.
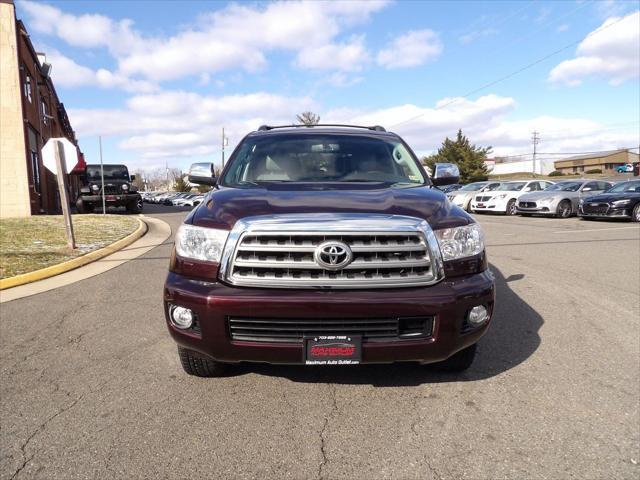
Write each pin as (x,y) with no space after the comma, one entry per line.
(159,80)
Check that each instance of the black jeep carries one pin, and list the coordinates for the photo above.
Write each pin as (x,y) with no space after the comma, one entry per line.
(118,189)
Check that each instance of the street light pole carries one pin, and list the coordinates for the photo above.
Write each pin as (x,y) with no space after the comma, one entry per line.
(222,147)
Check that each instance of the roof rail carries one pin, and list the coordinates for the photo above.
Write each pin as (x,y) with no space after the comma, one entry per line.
(376,128)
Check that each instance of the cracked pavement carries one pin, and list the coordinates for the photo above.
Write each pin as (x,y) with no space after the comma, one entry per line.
(91,386)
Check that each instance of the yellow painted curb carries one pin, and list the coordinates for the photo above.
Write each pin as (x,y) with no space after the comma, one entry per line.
(74,262)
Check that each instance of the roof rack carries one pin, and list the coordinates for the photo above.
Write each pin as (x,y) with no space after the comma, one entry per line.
(376,128)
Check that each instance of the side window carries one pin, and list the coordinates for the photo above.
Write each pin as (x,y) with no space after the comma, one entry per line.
(534,187)
(27,88)
(603,185)
(591,186)
(492,186)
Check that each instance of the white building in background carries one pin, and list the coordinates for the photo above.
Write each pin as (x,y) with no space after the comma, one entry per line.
(498,166)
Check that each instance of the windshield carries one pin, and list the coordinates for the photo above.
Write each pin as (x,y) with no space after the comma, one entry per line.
(473,187)
(633,186)
(511,186)
(111,172)
(322,158)
(564,187)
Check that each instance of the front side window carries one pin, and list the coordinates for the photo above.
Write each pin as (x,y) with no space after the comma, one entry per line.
(633,186)
(473,187)
(511,187)
(565,187)
(27,88)
(323,158)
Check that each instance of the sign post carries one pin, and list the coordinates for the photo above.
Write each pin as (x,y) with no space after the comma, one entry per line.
(61,167)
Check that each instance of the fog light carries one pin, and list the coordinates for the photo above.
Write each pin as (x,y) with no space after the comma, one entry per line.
(95,187)
(478,315)
(181,317)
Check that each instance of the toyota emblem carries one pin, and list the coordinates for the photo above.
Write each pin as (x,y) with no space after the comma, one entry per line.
(333,255)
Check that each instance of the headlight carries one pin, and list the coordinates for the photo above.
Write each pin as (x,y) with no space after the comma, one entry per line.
(460,242)
(502,195)
(200,243)
(581,201)
(95,187)
(621,203)
(545,200)
(125,187)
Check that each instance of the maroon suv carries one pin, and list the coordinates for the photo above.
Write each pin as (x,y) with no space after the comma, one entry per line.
(327,245)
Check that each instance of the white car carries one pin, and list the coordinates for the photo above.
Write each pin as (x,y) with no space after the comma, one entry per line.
(193,201)
(463,196)
(503,199)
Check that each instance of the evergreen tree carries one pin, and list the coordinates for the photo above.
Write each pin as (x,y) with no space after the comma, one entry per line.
(179,185)
(469,158)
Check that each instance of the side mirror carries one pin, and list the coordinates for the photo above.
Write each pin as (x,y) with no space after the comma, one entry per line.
(445,174)
(202,174)
(132,177)
(587,189)
(528,189)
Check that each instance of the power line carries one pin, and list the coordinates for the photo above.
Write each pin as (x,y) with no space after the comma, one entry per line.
(512,74)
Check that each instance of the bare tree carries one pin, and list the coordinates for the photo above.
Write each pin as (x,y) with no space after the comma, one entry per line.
(308,118)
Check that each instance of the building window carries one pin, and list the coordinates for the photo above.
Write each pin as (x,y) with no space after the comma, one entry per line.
(27,88)
(45,113)
(34,158)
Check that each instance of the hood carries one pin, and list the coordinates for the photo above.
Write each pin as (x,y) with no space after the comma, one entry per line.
(223,207)
(612,197)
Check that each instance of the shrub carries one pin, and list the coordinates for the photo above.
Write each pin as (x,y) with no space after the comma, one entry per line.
(556,173)
(594,170)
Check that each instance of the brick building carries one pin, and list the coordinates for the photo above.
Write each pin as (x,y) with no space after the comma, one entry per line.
(30,114)
(608,162)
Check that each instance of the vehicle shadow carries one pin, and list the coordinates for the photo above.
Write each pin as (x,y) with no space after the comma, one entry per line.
(511,339)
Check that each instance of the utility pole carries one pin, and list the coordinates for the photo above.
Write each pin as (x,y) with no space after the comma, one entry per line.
(166,165)
(104,206)
(535,139)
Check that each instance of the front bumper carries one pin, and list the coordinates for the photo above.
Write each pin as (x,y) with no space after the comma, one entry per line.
(111,200)
(621,212)
(492,205)
(213,303)
(546,209)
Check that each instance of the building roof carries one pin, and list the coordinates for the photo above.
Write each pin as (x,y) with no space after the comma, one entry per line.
(595,155)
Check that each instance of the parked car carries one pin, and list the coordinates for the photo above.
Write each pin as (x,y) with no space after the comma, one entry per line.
(117,189)
(451,188)
(194,201)
(326,246)
(462,197)
(621,201)
(179,199)
(560,200)
(627,168)
(503,199)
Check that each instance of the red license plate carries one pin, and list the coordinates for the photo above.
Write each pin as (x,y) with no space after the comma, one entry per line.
(111,198)
(333,349)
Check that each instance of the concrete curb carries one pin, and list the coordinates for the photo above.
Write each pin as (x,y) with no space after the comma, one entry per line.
(75,262)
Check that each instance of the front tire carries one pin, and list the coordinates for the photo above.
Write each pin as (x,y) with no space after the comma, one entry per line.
(511,207)
(635,215)
(199,366)
(460,361)
(83,207)
(564,209)
(135,206)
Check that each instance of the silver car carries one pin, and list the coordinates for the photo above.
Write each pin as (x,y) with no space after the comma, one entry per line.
(462,197)
(559,200)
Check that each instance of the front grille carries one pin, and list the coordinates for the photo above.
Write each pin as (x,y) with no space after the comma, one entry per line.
(481,198)
(273,259)
(112,190)
(527,204)
(292,330)
(598,208)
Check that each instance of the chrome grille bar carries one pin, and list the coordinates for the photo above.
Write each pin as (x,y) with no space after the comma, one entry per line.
(278,252)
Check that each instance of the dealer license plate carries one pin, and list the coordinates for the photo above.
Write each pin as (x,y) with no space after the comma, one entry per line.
(333,349)
(481,205)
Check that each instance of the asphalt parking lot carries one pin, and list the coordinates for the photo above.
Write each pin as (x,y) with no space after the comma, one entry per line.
(91,385)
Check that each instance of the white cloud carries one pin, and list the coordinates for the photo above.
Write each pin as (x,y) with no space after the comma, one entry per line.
(349,56)
(342,80)
(180,124)
(613,54)
(180,127)
(562,28)
(412,49)
(235,37)
(67,73)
